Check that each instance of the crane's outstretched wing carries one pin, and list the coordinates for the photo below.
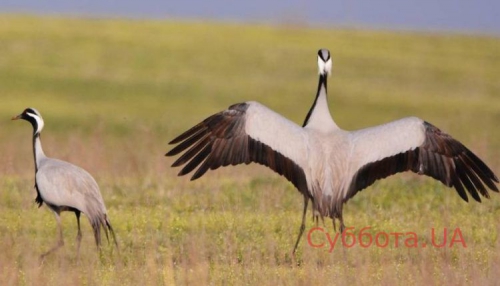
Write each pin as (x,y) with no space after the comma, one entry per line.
(411,144)
(244,133)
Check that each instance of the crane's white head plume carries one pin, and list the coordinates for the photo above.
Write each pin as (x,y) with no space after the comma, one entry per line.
(324,62)
(34,117)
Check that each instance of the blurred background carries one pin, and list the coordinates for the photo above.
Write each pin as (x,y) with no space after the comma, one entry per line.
(446,15)
(115,81)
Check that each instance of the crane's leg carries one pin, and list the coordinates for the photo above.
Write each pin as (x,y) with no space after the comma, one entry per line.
(78,236)
(60,242)
(302,226)
(342,225)
(341,222)
(342,229)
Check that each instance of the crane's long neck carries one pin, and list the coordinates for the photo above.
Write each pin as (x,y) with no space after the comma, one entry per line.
(37,150)
(319,116)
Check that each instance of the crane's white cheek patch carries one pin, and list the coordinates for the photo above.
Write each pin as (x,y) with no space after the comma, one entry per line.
(324,67)
(328,66)
(39,122)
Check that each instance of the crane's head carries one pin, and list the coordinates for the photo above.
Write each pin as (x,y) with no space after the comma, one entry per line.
(324,62)
(34,117)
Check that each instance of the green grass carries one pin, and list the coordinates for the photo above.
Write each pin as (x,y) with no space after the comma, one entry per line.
(114,92)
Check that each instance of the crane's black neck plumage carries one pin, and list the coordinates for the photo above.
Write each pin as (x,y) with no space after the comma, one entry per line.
(36,135)
(322,82)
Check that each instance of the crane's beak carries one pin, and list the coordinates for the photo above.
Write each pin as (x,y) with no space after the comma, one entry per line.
(16,117)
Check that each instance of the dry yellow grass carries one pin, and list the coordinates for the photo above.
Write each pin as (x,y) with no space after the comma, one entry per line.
(113,93)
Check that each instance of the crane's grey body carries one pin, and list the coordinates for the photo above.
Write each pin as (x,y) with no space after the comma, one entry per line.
(326,164)
(65,187)
(336,157)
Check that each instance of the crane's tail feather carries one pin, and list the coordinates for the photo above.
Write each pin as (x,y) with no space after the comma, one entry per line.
(107,227)
(103,221)
(96,228)
(104,226)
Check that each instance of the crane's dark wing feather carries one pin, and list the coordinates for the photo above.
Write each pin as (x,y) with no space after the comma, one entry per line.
(223,139)
(440,157)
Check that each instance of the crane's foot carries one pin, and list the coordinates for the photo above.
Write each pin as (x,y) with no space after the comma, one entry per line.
(53,249)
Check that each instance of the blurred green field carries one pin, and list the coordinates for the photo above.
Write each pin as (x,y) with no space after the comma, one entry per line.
(114,92)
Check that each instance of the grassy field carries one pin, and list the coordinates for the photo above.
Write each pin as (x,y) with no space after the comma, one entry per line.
(114,92)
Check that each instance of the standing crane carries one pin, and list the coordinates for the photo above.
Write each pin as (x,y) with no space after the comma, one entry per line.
(329,165)
(65,187)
